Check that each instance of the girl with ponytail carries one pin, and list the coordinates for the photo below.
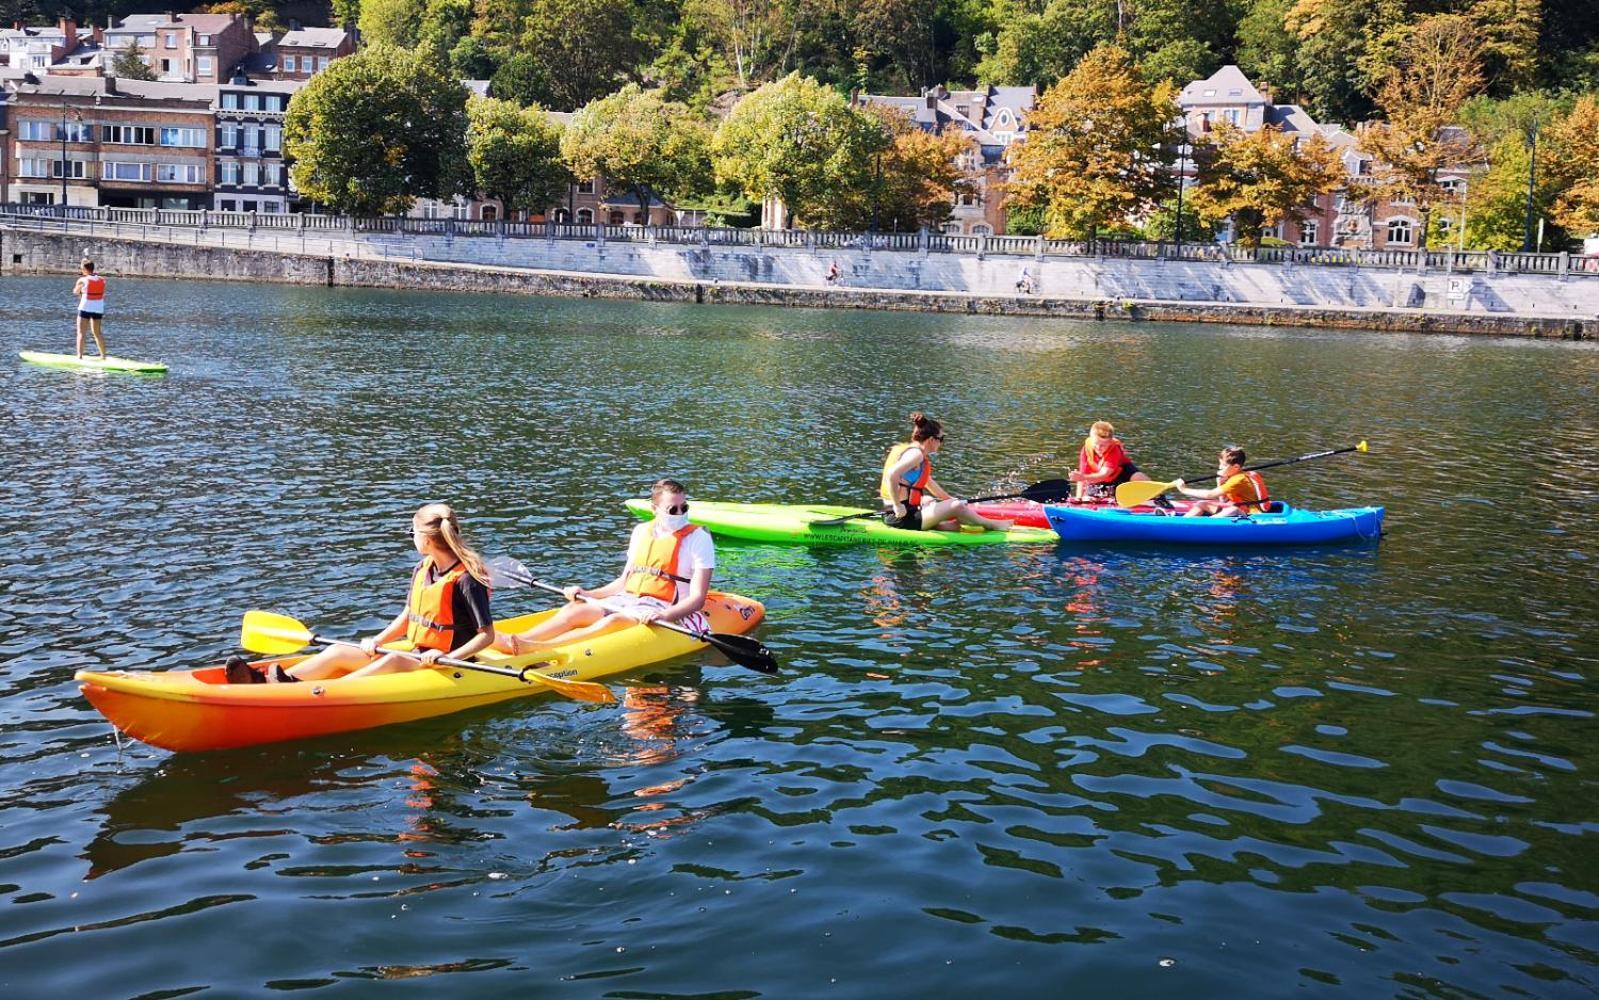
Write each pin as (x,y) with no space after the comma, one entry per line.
(447,612)
(916,500)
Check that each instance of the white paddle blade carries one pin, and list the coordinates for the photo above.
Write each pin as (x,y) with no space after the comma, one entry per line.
(505,571)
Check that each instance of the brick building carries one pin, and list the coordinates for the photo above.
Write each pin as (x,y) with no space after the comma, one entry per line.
(304,52)
(186,48)
(114,142)
(251,174)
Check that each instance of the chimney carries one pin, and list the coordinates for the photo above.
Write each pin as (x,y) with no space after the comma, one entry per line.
(69,27)
(110,84)
(1265,91)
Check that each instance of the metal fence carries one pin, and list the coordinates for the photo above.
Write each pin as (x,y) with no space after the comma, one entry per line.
(354,232)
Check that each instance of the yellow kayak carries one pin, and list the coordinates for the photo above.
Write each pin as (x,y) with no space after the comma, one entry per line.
(199,710)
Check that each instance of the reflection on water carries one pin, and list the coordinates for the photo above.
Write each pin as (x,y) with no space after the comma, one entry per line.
(1153,771)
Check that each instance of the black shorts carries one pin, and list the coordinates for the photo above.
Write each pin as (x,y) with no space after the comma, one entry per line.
(912,521)
(1107,490)
(86,314)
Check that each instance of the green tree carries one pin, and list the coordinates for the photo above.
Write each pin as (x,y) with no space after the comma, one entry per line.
(1098,147)
(1261,178)
(637,140)
(444,23)
(521,78)
(347,12)
(515,154)
(1041,46)
(377,130)
(799,141)
(1268,52)
(914,180)
(1437,71)
(583,48)
(1576,208)
(391,22)
(130,65)
(751,35)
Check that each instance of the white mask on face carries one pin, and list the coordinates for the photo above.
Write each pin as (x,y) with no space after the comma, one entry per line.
(674,522)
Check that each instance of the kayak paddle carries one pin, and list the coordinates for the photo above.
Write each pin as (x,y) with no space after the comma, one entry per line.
(504,571)
(1047,491)
(1140,492)
(280,635)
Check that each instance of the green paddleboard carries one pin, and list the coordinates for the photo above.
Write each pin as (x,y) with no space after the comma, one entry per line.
(796,524)
(94,363)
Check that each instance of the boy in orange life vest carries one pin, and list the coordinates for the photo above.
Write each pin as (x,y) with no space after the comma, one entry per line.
(447,613)
(668,574)
(90,291)
(1237,492)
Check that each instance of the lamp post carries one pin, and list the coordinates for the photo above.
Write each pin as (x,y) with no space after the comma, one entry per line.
(63,157)
(1532,180)
(1182,160)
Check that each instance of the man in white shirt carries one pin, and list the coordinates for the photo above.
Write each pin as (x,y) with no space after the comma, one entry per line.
(666,579)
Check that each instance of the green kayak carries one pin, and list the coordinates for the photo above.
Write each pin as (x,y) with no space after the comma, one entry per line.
(797,524)
(95,363)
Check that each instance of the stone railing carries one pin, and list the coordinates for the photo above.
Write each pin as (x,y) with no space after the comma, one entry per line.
(925,242)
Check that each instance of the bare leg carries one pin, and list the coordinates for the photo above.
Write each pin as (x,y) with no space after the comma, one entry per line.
(81,322)
(570,617)
(391,663)
(335,661)
(605,623)
(941,510)
(99,341)
(1203,508)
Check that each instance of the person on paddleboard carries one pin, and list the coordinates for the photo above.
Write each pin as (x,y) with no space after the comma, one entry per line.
(1102,464)
(90,291)
(447,613)
(666,579)
(918,502)
(1238,493)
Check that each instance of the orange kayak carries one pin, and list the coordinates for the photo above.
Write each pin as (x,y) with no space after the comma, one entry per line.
(199,710)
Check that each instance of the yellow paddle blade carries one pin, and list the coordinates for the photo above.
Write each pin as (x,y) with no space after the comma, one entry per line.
(580,690)
(1140,491)
(1361,447)
(274,635)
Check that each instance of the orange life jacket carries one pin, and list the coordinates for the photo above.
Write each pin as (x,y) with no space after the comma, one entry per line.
(652,564)
(1260,501)
(913,484)
(430,612)
(93,288)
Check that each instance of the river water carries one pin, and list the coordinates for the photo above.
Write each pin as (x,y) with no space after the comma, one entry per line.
(1367,770)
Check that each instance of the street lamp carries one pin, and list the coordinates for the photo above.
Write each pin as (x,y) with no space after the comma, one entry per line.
(1532,180)
(1182,160)
(63,157)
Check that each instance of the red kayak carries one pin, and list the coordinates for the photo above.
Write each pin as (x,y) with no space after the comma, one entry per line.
(1027,514)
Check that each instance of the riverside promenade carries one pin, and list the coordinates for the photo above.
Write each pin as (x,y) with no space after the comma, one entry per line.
(1446,291)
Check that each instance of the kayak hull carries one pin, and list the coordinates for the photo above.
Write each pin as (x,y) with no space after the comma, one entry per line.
(1029,514)
(1290,526)
(111,364)
(796,524)
(195,710)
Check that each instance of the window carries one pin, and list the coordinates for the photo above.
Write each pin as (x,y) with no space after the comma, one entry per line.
(178,173)
(170,39)
(230,173)
(75,168)
(128,135)
(269,208)
(166,67)
(585,217)
(616,218)
(981,230)
(274,138)
(30,166)
(1308,231)
(35,131)
(252,102)
(321,63)
(113,170)
(585,187)
(229,138)
(203,65)
(230,101)
(147,42)
(228,205)
(252,175)
(562,216)
(80,132)
(1399,232)
(951,229)
(190,137)
(1362,168)
(489,213)
(288,65)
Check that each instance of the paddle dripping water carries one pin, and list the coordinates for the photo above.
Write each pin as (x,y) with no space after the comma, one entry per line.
(1363,770)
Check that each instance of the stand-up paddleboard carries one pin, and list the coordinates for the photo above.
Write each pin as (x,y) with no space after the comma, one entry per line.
(94,363)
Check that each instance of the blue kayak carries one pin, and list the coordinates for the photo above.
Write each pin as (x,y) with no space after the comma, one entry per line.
(1283,525)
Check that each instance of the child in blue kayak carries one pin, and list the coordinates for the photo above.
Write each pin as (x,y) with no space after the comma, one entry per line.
(1238,492)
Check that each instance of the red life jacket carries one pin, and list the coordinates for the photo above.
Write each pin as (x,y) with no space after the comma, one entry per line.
(652,563)
(430,611)
(914,484)
(93,288)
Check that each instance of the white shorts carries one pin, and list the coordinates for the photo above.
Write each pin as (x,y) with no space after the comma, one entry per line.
(695,622)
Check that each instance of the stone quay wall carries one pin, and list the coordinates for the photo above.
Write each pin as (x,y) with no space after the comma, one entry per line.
(1110,289)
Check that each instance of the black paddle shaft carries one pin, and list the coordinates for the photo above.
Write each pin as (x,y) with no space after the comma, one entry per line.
(1044,492)
(1281,461)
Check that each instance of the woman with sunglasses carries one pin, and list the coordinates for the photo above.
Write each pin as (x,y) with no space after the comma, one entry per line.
(919,503)
(447,613)
(667,576)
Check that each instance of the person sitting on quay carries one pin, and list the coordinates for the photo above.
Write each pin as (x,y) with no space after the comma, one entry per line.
(1102,464)
(1237,494)
(666,579)
(919,503)
(447,612)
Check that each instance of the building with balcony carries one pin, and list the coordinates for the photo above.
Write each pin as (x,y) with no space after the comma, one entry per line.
(186,48)
(113,142)
(251,174)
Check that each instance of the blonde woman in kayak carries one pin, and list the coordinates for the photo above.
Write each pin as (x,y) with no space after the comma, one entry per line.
(666,579)
(919,503)
(447,612)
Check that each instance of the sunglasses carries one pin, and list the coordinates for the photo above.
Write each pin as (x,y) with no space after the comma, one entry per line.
(937,437)
(681,508)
